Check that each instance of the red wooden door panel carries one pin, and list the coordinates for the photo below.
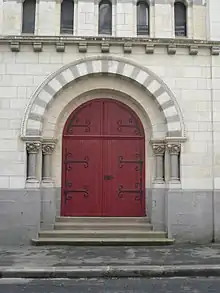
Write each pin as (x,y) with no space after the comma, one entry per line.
(103,161)
(120,121)
(123,189)
(86,120)
(81,181)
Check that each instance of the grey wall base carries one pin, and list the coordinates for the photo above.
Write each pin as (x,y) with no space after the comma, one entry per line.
(187,216)
(24,212)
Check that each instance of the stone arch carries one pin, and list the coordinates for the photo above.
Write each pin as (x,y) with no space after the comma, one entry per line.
(46,92)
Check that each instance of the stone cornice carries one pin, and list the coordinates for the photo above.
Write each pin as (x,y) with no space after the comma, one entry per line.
(169,140)
(39,139)
(171,44)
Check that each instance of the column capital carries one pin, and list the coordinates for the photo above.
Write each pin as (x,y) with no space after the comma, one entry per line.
(158,149)
(48,148)
(174,148)
(33,147)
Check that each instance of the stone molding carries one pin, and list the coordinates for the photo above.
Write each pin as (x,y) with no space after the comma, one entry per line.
(158,149)
(46,92)
(174,149)
(150,44)
(48,149)
(33,147)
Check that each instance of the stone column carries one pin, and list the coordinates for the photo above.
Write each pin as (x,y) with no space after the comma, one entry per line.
(159,151)
(174,151)
(47,150)
(32,150)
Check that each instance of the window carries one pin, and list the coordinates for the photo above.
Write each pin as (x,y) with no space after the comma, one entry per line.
(142,18)
(180,19)
(105,17)
(28,21)
(66,19)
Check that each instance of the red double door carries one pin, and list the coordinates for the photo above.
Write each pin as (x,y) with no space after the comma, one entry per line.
(103,162)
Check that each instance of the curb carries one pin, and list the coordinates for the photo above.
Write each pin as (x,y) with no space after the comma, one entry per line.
(111,272)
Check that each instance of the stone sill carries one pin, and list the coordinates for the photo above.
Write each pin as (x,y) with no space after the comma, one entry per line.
(105,42)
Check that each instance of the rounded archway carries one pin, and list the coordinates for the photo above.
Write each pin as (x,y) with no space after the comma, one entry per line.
(46,93)
(103,161)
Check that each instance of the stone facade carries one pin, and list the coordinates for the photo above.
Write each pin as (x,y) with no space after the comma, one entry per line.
(172,84)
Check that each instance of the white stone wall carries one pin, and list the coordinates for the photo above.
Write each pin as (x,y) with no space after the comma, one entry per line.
(12,17)
(202,19)
(189,78)
(213,19)
(84,14)
(194,81)
(46,20)
(163,17)
(125,19)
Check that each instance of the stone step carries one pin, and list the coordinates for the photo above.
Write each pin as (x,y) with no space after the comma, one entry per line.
(120,241)
(103,226)
(102,219)
(101,234)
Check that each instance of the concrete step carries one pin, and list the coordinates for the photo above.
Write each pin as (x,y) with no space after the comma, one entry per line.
(102,219)
(121,241)
(103,226)
(101,234)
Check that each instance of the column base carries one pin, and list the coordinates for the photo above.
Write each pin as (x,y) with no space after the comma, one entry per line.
(47,183)
(174,180)
(32,183)
(159,181)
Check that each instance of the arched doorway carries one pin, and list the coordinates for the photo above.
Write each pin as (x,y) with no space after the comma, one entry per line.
(103,161)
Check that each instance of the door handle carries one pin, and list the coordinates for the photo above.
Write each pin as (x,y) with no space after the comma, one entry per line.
(108,177)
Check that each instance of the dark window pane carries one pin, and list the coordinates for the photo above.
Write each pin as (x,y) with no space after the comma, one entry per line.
(180,19)
(105,18)
(142,18)
(28,21)
(66,21)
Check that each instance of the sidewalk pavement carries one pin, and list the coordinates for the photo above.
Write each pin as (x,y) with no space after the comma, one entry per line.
(104,261)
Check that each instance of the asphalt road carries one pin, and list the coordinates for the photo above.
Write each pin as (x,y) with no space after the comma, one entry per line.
(174,285)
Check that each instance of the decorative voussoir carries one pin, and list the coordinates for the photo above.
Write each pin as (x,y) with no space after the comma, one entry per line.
(33,147)
(48,149)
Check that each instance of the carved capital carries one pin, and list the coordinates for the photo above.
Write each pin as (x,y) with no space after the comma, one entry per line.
(48,148)
(174,149)
(158,149)
(33,147)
